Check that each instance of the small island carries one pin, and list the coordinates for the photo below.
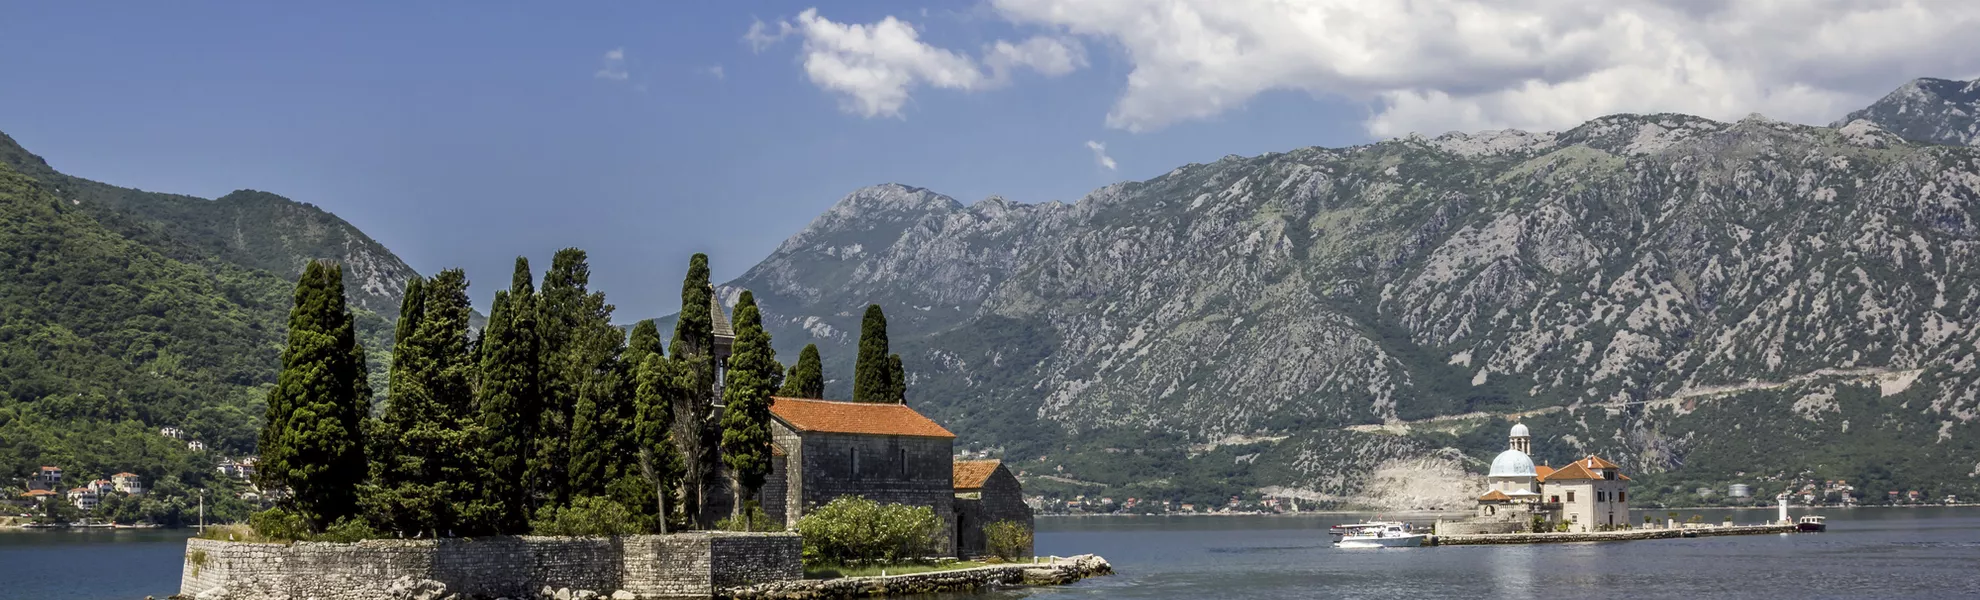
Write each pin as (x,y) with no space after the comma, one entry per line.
(553,455)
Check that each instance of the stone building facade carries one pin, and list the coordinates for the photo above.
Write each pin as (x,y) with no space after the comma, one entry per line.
(986,492)
(887,453)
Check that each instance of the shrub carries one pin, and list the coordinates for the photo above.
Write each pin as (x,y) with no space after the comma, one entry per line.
(1008,540)
(757,517)
(586,516)
(346,530)
(853,530)
(279,525)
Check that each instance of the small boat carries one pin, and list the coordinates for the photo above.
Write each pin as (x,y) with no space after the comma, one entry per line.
(1811,524)
(1348,528)
(1387,535)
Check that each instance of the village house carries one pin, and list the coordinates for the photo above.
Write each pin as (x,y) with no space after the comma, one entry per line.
(1589,494)
(84,498)
(196,446)
(128,483)
(47,479)
(172,432)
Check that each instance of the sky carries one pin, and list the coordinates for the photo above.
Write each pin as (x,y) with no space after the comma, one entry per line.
(464,134)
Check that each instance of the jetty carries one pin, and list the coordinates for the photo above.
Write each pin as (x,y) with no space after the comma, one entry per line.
(1658,533)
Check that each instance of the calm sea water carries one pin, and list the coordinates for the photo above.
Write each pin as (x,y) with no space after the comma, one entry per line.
(1891,553)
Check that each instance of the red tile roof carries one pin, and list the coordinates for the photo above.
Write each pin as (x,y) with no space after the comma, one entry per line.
(1495,496)
(1582,469)
(970,474)
(125,475)
(1543,471)
(867,418)
(38,493)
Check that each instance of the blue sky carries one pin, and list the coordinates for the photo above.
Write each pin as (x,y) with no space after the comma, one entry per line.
(463,134)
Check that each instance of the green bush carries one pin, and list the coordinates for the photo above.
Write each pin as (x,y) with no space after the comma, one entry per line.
(854,530)
(757,517)
(586,516)
(276,524)
(1008,540)
(347,530)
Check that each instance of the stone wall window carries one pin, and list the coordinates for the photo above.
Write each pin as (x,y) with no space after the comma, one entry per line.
(1621,496)
(1570,494)
(904,470)
(855,461)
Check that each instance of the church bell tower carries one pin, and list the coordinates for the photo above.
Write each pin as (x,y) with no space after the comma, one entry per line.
(1520,440)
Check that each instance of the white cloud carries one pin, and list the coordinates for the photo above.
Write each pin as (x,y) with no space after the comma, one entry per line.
(1100,154)
(759,37)
(1430,66)
(875,67)
(613,66)
(715,71)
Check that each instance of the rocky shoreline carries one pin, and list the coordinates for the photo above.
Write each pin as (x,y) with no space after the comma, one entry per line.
(1060,571)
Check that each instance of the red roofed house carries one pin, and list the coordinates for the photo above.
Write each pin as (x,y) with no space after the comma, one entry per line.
(987,492)
(884,452)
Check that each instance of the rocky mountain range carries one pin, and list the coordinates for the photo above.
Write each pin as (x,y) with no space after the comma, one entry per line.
(1701,301)
(1935,111)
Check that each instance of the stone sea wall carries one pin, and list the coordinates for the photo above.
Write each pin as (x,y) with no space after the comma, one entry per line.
(1607,536)
(685,565)
(1057,571)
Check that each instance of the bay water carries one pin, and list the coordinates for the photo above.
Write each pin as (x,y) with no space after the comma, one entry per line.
(1887,553)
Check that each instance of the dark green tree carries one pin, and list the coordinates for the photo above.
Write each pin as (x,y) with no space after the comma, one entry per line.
(312,443)
(658,463)
(746,404)
(429,468)
(643,342)
(806,378)
(511,400)
(694,369)
(896,380)
(873,373)
(582,377)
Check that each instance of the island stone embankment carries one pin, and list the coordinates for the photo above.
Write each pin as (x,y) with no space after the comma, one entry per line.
(1606,536)
(1056,571)
(683,565)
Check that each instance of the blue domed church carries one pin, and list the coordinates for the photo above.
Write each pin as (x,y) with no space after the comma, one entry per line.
(1589,494)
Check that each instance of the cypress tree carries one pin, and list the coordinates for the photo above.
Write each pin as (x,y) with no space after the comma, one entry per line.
(658,465)
(313,442)
(511,400)
(746,403)
(581,351)
(872,372)
(806,378)
(558,308)
(896,379)
(694,382)
(643,342)
(428,469)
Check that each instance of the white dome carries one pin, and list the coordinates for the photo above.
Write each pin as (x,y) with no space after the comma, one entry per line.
(1519,430)
(1512,463)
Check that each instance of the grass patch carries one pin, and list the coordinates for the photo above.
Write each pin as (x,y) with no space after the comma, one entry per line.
(837,571)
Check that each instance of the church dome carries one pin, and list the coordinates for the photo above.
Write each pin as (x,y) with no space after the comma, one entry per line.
(1512,463)
(1519,430)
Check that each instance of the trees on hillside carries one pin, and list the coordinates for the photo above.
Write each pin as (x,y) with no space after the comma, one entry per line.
(312,442)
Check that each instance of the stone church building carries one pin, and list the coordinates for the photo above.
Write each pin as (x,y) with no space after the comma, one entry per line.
(1589,494)
(887,453)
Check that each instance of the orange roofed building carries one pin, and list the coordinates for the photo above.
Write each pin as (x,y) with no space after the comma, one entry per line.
(883,452)
(1589,494)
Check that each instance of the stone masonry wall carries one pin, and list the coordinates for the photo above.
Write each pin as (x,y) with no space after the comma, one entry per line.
(650,566)
(914,471)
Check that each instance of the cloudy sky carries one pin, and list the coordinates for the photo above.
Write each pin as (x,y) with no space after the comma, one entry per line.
(463,134)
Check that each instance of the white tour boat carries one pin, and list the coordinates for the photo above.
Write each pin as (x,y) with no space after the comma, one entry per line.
(1387,535)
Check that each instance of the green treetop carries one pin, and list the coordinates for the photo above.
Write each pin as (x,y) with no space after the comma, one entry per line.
(657,463)
(806,378)
(313,442)
(873,374)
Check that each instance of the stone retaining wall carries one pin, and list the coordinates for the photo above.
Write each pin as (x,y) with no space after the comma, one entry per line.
(685,565)
(1058,571)
(1480,527)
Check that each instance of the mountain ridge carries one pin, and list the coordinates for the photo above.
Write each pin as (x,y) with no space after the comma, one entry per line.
(1315,295)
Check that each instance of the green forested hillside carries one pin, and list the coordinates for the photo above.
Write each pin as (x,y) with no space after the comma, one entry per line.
(105,339)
